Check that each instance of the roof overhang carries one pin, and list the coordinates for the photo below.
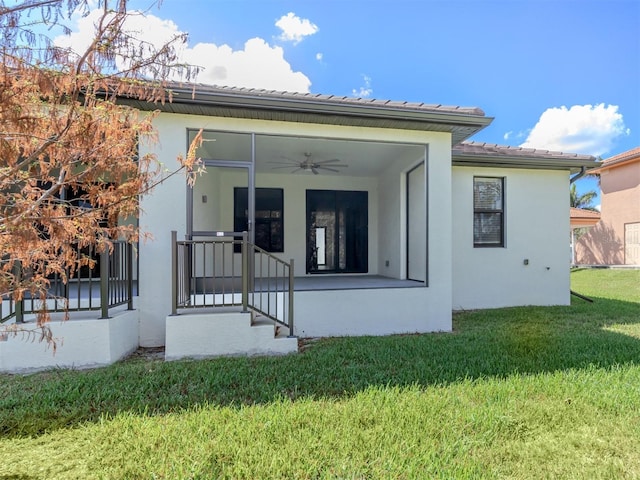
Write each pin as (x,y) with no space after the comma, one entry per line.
(307,108)
(483,155)
(609,165)
(581,218)
(583,222)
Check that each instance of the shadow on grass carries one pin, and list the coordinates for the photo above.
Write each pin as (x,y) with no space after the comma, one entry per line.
(485,344)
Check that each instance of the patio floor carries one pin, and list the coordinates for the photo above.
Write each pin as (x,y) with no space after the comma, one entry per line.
(351,282)
(309,283)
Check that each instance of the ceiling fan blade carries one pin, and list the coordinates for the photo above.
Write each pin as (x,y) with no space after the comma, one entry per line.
(283,166)
(297,170)
(333,166)
(273,162)
(322,162)
(330,169)
(315,170)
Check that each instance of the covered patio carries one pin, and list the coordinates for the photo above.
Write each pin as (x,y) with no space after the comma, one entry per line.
(352,196)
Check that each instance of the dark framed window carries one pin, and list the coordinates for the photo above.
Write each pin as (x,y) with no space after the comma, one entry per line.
(269,218)
(488,212)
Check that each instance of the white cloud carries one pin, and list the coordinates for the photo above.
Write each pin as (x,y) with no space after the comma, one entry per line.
(151,29)
(515,136)
(589,129)
(364,91)
(319,56)
(294,28)
(256,65)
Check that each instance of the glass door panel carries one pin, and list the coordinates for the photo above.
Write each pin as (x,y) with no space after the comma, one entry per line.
(337,231)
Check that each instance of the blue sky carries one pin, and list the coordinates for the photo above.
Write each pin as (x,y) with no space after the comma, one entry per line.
(559,75)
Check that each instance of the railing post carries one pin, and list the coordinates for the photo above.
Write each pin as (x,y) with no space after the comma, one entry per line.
(245,272)
(104,282)
(174,272)
(129,252)
(290,320)
(17,272)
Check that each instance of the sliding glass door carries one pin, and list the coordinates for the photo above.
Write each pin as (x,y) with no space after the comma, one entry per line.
(337,231)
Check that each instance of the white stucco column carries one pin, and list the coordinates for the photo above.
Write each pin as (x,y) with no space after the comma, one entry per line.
(161,211)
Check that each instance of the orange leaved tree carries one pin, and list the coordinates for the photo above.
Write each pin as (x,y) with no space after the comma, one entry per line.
(69,168)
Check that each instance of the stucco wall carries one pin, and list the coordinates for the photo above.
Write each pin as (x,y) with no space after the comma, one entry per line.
(372,312)
(83,341)
(165,210)
(604,244)
(537,230)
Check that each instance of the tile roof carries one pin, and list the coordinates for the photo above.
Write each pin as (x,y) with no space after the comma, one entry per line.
(582,213)
(479,154)
(628,156)
(336,99)
(486,149)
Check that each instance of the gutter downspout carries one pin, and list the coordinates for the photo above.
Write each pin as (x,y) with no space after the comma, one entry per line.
(578,176)
(586,299)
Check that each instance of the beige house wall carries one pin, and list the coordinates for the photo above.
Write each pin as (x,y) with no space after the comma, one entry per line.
(604,244)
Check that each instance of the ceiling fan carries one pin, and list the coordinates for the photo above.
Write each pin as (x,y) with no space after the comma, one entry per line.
(309,165)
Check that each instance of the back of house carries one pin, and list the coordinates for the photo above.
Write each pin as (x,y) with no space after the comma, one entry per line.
(326,216)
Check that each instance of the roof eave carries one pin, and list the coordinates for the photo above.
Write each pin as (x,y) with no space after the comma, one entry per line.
(618,163)
(461,125)
(309,105)
(541,163)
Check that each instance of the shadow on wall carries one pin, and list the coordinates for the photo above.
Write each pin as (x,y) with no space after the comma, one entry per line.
(600,246)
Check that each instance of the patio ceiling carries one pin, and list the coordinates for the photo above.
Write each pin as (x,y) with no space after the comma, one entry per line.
(363,158)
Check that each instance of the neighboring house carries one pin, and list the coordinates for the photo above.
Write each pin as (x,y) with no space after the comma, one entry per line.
(580,221)
(615,239)
(382,214)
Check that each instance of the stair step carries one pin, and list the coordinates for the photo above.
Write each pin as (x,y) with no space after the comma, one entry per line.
(280,330)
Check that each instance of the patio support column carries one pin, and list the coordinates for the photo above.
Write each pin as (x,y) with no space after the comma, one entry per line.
(245,273)
(251,192)
(174,273)
(104,283)
(290,316)
(17,266)
(129,256)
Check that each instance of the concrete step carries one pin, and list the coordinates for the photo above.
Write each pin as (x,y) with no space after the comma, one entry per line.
(217,334)
(280,331)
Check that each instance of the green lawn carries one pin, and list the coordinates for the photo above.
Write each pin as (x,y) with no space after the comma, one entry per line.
(535,392)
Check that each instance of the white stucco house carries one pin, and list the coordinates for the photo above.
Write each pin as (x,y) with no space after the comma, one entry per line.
(392,217)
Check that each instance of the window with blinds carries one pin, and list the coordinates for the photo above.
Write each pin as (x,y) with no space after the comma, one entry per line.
(488,212)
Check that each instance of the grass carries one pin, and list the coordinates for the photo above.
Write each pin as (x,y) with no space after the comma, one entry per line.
(532,392)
